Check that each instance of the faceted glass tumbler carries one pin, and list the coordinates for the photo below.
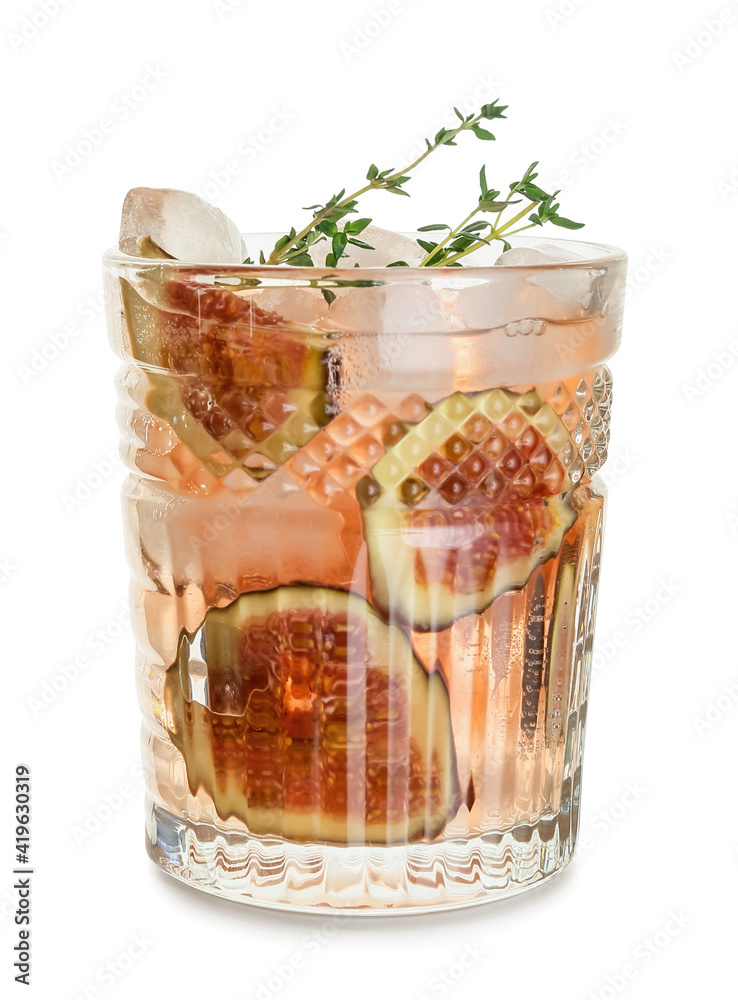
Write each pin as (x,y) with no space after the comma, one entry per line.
(364,522)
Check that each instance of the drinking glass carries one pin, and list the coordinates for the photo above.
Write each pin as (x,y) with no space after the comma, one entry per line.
(364,521)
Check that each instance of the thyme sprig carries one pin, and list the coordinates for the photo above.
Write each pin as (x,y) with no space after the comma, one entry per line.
(295,247)
(469,235)
(327,221)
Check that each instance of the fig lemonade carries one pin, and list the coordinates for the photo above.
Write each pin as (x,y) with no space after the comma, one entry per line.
(364,523)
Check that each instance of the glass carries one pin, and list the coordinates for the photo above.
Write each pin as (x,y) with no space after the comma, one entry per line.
(364,521)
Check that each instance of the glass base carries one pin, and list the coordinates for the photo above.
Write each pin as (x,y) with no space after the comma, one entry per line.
(411,878)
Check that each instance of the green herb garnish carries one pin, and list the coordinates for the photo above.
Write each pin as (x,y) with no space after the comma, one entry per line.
(469,235)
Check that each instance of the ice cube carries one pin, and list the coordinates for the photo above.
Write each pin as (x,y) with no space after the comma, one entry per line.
(393,334)
(388,247)
(564,295)
(541,319)
(557,253)
(300,305)
(543,253)
(573,286)
(395,308)
(182,224)
(523,256)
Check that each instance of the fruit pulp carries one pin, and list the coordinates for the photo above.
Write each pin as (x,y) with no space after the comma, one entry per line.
(317,722)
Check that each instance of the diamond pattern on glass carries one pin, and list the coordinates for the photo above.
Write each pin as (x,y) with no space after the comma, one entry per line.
(502,443)
(341,457)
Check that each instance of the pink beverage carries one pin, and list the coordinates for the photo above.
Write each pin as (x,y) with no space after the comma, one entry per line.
(364,532)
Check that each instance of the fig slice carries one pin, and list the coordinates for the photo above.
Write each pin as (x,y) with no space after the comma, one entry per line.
(431,566)
(239,386)
(466,506)
(302,714)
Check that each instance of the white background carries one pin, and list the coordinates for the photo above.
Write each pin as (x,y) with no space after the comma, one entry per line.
(642,119)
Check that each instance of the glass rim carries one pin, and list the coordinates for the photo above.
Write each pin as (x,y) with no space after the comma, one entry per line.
(602,255)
